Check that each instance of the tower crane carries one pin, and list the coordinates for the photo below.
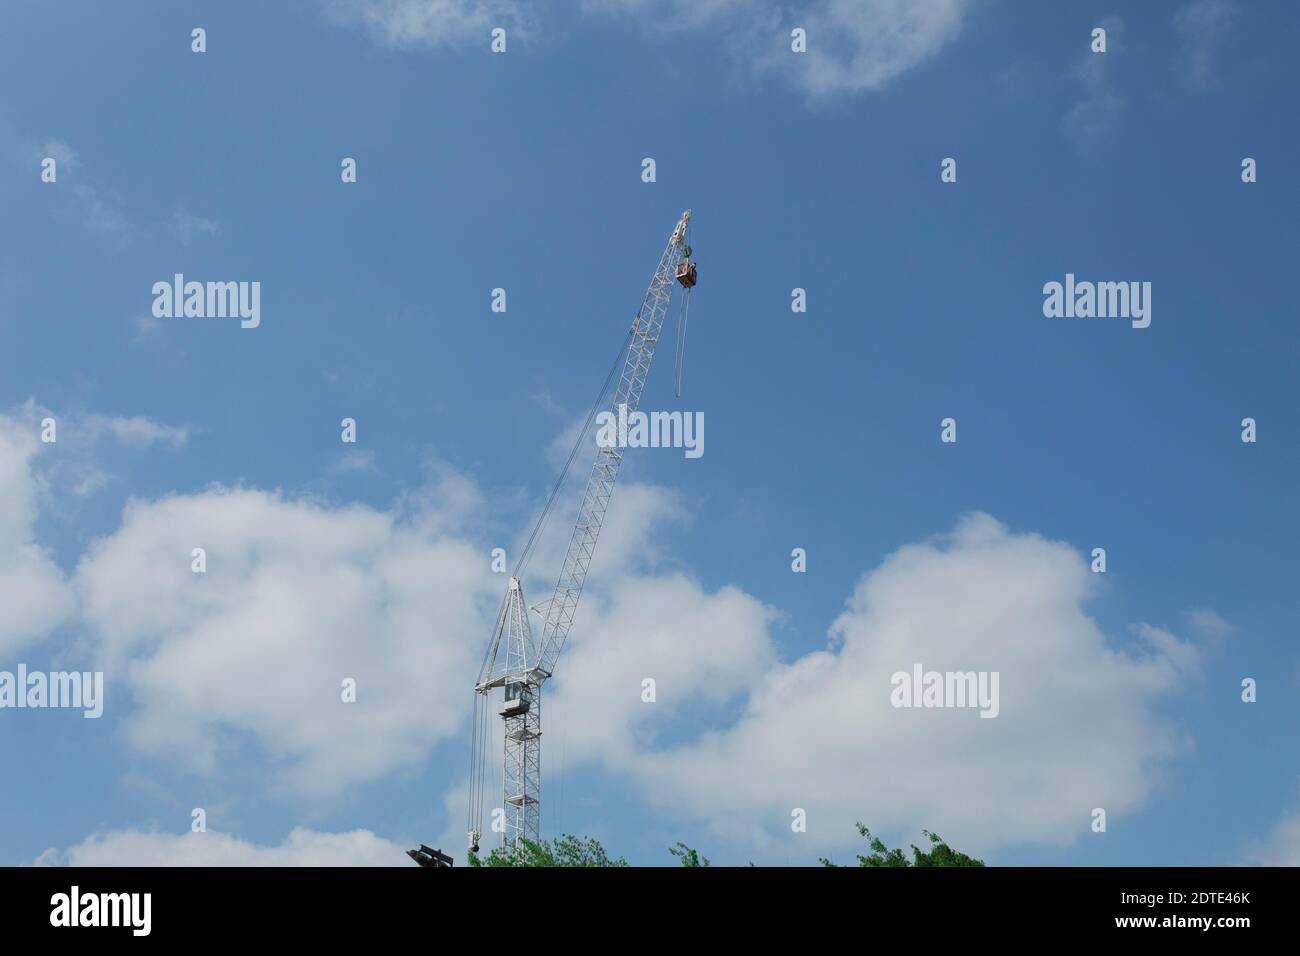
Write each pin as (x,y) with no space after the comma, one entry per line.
(517,662)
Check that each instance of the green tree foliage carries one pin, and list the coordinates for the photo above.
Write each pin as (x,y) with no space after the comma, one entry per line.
(688,856)
(566,850)
(939,854)
(570,850)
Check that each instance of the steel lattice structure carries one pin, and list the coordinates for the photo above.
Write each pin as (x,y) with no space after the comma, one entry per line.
(525,664)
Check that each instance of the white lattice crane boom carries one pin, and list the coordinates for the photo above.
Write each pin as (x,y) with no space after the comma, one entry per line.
(515,661)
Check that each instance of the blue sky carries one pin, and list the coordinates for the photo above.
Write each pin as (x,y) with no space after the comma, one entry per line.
(523,171)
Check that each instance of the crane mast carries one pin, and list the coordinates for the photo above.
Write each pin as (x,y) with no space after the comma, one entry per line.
(517,662)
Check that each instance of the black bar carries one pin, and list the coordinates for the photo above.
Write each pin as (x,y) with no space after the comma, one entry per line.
(925,905)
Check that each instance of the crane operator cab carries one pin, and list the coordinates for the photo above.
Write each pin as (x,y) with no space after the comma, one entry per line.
(686,272)
(519,698)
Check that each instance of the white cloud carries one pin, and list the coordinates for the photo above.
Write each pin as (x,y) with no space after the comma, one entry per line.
(353,461)
(33,594)
(102,211)
(628,541)
(74,190)
(146,326)
(1078,726)
(98,207)
(408,23)
(857,45)
(134,431)
(700,649)
(544,400)
(186,225)
(1202,26)
(1095,114)
(561,445)
(301,848)
(298,596)
(853,45)
(60,152)
(1208,624)
(674,13)
(1283,845)
(75,463)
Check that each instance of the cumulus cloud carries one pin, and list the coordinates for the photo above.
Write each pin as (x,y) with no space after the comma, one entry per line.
(699,648)
(302,847)
(300,594)
(33,593)
(409,23)
(627,542)
(1078,726)
(297,597)
(853,45)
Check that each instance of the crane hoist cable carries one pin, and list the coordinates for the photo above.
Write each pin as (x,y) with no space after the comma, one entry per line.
(478,749)
(681,339)
(596,406)
(682,315)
